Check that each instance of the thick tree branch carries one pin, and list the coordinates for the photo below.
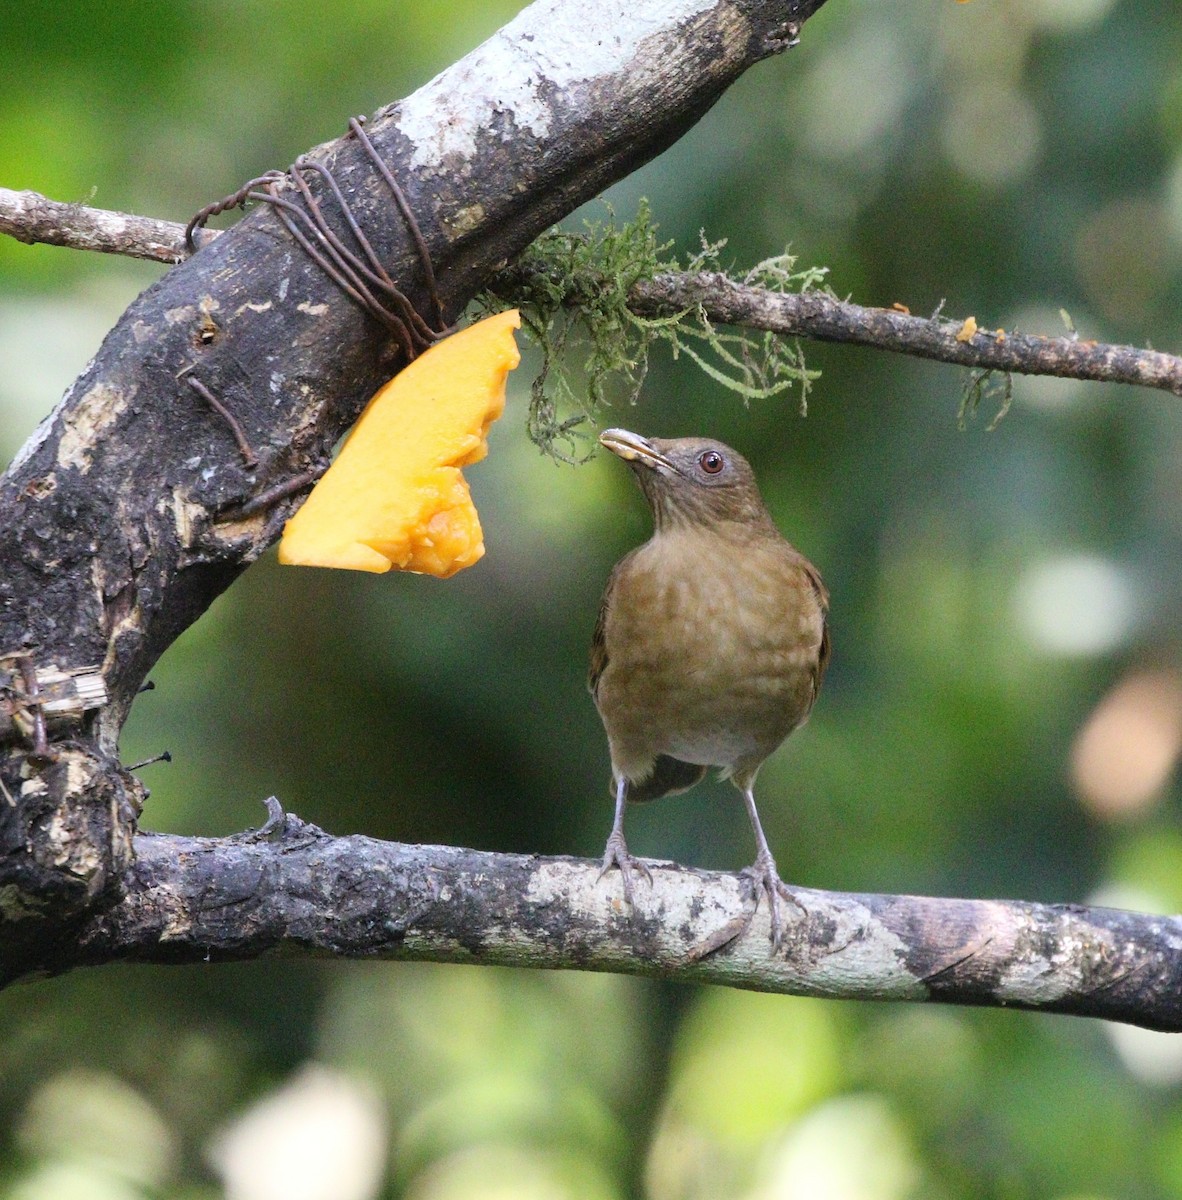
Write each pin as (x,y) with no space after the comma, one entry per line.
(123,517)
(292,887)
(30,217)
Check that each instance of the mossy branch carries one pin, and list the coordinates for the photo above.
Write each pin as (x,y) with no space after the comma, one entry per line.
(657,296)
(597,301)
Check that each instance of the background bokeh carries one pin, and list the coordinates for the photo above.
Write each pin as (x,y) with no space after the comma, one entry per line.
(1002,715)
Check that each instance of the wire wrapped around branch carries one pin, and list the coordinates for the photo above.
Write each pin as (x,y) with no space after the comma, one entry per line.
(361,276)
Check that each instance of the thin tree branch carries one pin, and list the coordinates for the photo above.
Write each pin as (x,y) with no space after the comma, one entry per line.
(827,319)
(30,218)
(292,888)
(33,218)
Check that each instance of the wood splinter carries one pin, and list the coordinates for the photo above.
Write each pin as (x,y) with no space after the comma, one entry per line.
(35,701)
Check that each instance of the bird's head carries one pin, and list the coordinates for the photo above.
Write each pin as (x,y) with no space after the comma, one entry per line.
(695,481)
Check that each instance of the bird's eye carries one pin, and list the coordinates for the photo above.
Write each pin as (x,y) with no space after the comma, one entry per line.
(711,461)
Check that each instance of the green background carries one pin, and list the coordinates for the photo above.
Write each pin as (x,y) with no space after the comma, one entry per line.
(1001,717)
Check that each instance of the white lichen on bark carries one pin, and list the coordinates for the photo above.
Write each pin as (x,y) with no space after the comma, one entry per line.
(540,57)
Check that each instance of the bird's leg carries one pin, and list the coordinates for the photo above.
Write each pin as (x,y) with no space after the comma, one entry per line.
(763,872)
(616,854)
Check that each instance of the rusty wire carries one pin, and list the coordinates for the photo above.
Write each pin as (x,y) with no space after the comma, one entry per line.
(249,458)
(360,275)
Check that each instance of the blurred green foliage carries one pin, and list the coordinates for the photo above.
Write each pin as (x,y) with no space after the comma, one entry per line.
(1005,615)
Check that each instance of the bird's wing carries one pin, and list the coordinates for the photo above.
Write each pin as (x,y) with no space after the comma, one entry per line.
(599,637)
(822,594)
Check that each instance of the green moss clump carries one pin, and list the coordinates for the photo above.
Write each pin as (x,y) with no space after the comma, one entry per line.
(572,290)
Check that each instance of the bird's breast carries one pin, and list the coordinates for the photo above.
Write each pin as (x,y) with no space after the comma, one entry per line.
(711,648)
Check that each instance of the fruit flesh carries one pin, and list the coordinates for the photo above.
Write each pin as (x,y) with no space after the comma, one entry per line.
(395,496)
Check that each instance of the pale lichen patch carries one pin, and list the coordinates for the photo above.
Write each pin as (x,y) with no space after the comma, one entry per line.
(252,526)
(254,307)
(862,956)
(184,514)
(465,220)
(133,623)
(85,425)
(178,923)
(681,908)
(1035,980)
(65,843)
(518,72)
(71,851)
(80,772)
(578,887)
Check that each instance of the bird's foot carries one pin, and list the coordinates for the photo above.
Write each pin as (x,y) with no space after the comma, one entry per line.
(766,879)
(616,854)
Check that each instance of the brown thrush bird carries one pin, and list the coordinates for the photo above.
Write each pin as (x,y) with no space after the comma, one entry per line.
(711,640)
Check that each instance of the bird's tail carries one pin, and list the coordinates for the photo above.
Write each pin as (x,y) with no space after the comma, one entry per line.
(668,777)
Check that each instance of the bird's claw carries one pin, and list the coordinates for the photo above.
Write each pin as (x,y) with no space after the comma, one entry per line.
(616,854)
(765,878)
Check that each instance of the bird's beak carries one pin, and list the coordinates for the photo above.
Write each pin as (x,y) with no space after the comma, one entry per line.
(632,448)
